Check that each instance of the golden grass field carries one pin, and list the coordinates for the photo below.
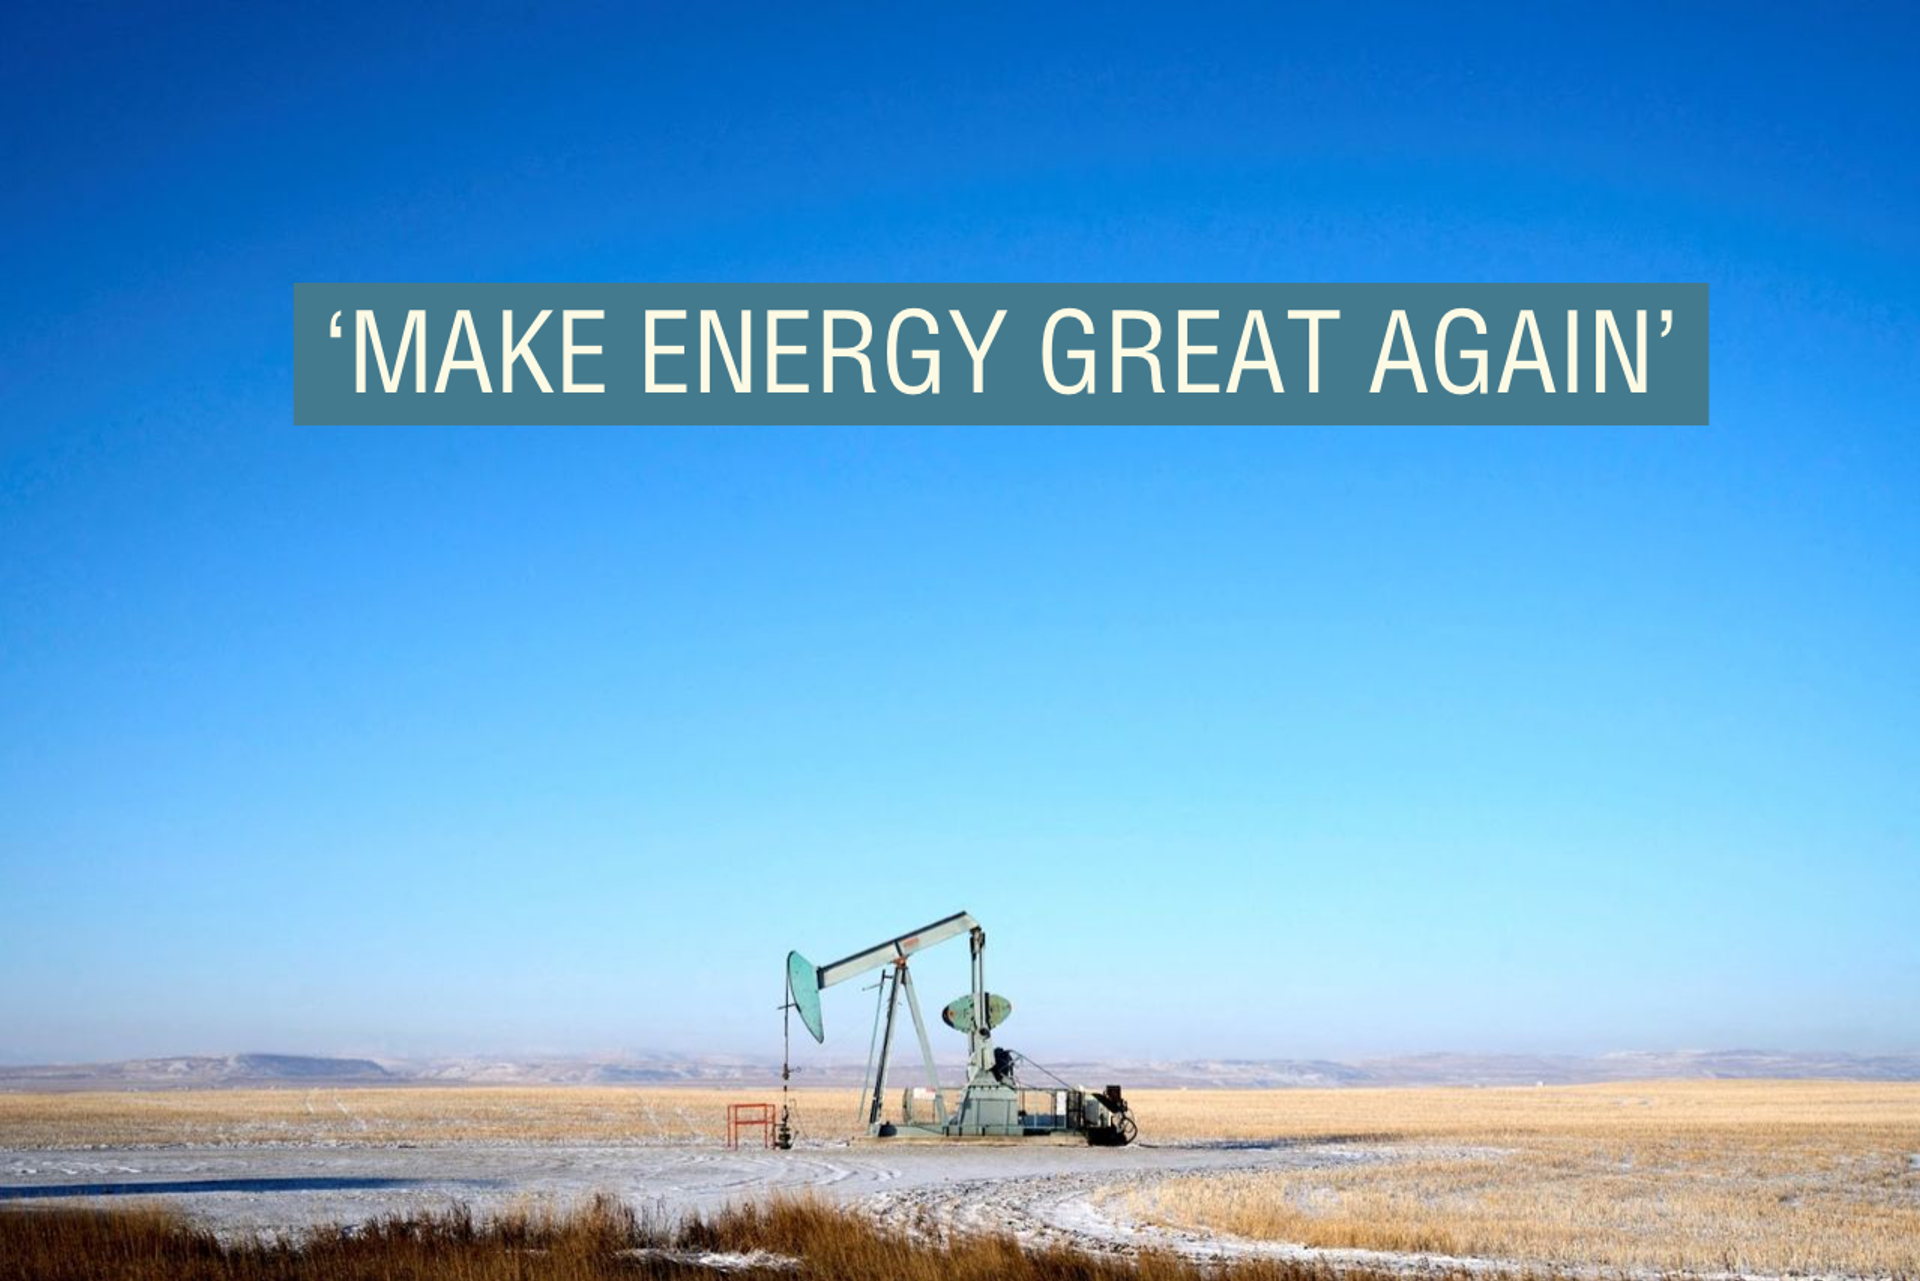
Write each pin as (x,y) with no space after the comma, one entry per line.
(1740,1176)
(489,1114)
(1725,1175)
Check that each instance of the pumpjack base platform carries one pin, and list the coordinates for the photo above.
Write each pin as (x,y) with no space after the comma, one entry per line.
(1064,1138)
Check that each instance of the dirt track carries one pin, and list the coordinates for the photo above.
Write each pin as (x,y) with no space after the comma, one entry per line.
(1049,1192)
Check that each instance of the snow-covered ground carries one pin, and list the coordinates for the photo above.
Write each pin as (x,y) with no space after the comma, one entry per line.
(1039,1191)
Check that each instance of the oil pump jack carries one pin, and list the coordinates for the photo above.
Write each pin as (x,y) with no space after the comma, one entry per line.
(995,1103)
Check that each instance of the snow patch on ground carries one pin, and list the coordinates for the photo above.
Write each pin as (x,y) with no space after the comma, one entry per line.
(720,1260)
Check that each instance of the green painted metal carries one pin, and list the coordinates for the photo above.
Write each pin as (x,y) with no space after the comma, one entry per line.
(959,1012)
(803,987)
(896,949)
(994,1103)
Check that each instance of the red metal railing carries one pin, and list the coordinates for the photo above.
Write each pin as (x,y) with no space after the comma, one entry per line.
(750,1116)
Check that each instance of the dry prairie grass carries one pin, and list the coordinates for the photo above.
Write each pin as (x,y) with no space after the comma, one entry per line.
(376,1115)
(1735,1176)
(1707,1111)
(604,1240)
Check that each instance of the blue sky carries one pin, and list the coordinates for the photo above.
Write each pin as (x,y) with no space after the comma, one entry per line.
(1240,742)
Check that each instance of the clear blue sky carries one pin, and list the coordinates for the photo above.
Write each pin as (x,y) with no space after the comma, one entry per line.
(1241,742)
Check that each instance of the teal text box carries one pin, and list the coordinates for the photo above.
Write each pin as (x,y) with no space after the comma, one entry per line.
(1648,367)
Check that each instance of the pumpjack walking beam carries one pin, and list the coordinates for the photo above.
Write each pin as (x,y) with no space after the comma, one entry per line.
(893,949)
(805,982)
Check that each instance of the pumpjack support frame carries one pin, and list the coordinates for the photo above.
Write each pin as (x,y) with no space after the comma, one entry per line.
(992,1104)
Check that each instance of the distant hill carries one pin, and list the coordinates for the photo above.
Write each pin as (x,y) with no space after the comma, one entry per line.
(297,1070)
(1638,1065)
(199,1072)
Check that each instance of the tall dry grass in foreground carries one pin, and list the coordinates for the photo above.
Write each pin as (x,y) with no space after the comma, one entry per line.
(787,1239)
